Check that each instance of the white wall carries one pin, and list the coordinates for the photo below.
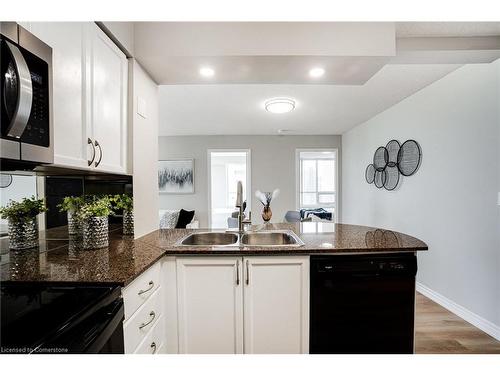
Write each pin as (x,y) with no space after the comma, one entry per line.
(451,202)
(144,150)
(272,166)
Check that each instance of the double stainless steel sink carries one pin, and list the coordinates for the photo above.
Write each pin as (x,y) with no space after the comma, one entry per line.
(278,238)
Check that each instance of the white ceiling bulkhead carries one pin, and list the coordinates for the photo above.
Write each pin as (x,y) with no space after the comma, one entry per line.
(216,76)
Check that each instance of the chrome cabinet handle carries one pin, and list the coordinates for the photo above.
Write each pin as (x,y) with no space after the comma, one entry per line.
(100,153)
(151,286)
(89,142)
(248,274)
(237,272)
(153,346)
(152,315)
(23,108)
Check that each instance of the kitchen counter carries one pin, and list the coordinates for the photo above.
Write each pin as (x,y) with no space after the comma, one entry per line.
(318,238)
(62,259)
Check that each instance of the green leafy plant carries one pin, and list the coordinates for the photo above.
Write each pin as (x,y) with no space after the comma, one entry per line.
(24,210)
(71,204)
(123,202)
(96,207)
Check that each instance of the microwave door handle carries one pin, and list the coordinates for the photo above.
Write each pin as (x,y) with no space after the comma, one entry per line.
(23,108)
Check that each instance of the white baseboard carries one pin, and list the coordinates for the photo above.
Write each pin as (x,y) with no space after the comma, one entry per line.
(467,315)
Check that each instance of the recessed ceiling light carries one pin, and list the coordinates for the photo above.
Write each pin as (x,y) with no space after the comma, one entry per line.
(316,72)
(279,105)
(207,71)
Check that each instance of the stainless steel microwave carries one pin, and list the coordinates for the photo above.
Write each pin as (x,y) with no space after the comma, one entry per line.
(26,99)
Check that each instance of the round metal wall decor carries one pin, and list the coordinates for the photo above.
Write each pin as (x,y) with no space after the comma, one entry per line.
(409,156)
(392,178)
(5,180)
(370,173)
(391,161)
(380,159)
(380,177)
(392,153)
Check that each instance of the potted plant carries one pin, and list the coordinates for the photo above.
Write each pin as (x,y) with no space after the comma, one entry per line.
(125,203)
(22,227)
(266,198)
(72,206)
(94,215)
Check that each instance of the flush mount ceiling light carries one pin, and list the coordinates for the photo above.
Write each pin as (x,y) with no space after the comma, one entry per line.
(279,105)
(207,71)
(316,72)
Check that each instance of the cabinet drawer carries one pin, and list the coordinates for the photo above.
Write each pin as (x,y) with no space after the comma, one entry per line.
(136,328)
(154,340)
(135,294)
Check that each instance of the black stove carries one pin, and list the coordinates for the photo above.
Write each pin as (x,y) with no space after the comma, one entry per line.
(48,318)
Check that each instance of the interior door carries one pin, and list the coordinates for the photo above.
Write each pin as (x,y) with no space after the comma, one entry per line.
(276,305)
(109,98)
(210,305)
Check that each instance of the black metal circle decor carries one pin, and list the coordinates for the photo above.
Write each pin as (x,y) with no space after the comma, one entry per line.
(380,159)
(380,177)
(392,178)
(409,156)
(391,161)
(392,152)
(370,173)
(5,180)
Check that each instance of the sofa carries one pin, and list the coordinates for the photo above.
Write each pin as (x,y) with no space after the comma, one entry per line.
(168,219)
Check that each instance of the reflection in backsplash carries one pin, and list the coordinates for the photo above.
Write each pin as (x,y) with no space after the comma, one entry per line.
(16,188)
(54,188)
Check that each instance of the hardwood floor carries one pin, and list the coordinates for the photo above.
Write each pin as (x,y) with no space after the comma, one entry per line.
(437,330)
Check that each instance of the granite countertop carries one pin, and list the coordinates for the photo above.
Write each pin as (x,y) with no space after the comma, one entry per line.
(62,259)
(318,238)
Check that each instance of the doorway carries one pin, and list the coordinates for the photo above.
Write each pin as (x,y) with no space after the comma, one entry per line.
(225,169)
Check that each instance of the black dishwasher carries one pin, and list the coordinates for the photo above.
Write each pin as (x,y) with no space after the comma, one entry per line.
(362,304)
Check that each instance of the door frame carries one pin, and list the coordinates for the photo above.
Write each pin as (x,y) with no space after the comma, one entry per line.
(298,177)
(209,175)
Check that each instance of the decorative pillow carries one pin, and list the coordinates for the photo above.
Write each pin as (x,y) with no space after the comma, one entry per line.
(185,217)
(169,219)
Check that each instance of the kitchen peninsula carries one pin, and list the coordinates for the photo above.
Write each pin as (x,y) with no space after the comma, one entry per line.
(240,298)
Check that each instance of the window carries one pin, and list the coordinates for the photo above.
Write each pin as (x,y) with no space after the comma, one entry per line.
(227,167)
(317,179)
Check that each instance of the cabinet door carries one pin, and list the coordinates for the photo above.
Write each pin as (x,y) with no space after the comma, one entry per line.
(68,42)
(210,305)
(276,305)
(108,94)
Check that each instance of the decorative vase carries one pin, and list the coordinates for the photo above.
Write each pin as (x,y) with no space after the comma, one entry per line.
(267,214)
(23,234)
(95,232)
(128,222)
(74,223)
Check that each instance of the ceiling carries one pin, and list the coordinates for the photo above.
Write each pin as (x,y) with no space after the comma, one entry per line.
(320,109)
(446,29)
(369,67)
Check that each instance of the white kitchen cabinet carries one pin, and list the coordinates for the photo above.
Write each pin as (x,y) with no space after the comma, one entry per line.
(68,42)
(144,320)
(243,305)
(108,97)
(89,96)
(276,305)
(210,305)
